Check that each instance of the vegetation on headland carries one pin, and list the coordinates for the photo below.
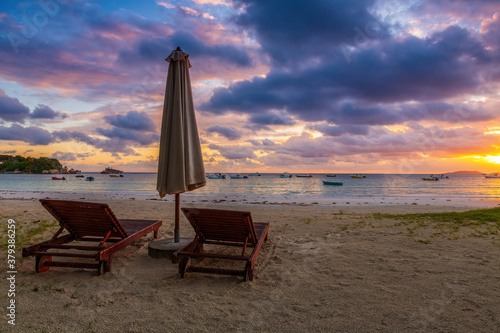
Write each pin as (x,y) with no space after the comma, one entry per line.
(111,170)
(20,164)
(464,172)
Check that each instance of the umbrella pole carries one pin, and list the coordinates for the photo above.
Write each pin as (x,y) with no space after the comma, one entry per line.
(177,211)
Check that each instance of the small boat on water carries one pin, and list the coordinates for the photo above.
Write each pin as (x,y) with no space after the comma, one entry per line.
(57,178)
(90,179)
(332,183)
(238,176)
(285,175)
(79,176)
(492,175)
(304,176)
(331,175)
(358,176)
(431,178)
(116,176)
(442,176)
(216,176)
(254,174)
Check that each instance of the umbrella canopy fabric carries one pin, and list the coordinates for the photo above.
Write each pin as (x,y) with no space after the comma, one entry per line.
(180,163)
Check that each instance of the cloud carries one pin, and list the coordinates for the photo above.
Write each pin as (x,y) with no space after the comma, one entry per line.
(124,134)
(154,48)
(42,111)
(234,152)
(381,143)
(302,32)
(8,152)
(62,156)
(69,156)
(113,145)
(267,142)
(139,121)
(341,130)
(165,4)
(11,109)
(272,118)
(229,133)
(32,135)
(374,88)
(490,28)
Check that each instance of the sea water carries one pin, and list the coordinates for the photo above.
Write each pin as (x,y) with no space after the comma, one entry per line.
(374,185)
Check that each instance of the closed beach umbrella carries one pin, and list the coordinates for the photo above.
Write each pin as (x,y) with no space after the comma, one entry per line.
(180,163)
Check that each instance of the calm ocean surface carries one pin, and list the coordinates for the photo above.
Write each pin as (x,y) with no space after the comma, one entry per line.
(374,185)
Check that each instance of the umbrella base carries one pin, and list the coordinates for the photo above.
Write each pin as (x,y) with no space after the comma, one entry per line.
(164,248)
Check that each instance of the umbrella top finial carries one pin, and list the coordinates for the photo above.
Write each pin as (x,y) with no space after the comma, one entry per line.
(178,55)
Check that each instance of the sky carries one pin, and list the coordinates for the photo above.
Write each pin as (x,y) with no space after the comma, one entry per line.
(366,86)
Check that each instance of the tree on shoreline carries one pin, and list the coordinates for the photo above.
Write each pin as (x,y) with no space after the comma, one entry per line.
(9,163)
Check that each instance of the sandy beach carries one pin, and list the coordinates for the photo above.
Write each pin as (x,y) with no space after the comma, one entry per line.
(326,267)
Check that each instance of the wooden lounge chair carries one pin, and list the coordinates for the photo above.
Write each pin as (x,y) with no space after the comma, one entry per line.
(221,227)
(87,222)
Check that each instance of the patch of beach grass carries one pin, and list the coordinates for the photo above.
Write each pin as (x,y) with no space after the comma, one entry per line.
(26,234)
(48,287)
(309,220)
(423,227)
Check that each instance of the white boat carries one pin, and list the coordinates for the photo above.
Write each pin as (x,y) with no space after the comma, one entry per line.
(216,176)
(285,175)
(492,175)
(441,176)
(358,176)
(254,174)
(238,176)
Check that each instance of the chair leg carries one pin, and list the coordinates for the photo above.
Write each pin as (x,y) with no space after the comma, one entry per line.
(101,268)
(39,263)
(108,264)
(248,272)
(184,265)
